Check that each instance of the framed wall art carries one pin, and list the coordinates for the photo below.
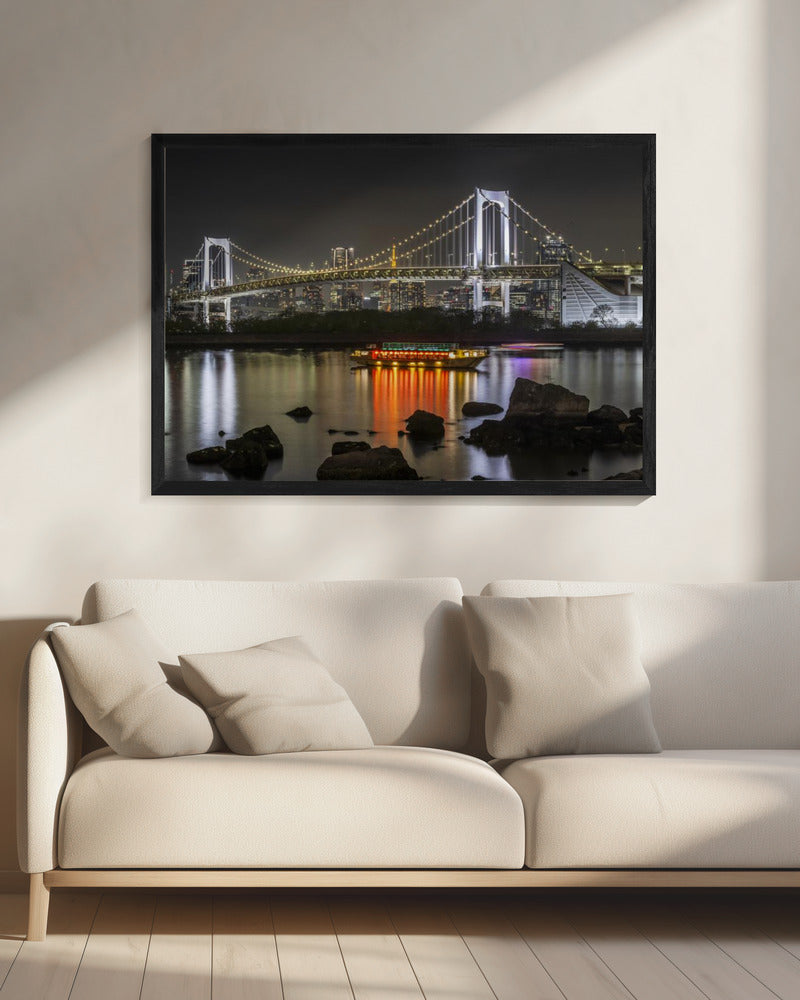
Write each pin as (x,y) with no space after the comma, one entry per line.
(403,314)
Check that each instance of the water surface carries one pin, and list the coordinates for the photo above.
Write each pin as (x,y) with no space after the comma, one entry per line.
(208,391)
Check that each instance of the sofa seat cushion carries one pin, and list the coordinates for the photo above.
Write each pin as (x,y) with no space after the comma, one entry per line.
(382,807)
(678,809)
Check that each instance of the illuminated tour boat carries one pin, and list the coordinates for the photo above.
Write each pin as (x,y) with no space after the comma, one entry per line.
(419,356)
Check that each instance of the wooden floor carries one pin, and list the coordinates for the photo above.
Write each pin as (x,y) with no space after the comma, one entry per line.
(537,946)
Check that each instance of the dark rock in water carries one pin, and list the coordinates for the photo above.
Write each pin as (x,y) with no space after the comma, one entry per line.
(221,433)
(300,413)
(585,436)
(401,434)
(609,435)
(372,463)
(474,408)
(633,474)
(512,433)
(633,434)
(637,413)
(606,414)
(547,400)
(342,447)
(478,479)
(425,426)
(332,430)
(206,456)
(351,433)
(372,432)
(266,437)
(249,459)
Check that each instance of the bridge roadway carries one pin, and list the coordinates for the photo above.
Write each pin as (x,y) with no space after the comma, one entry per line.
(488,274)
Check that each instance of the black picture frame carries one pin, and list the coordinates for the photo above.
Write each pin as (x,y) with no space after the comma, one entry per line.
(161,484)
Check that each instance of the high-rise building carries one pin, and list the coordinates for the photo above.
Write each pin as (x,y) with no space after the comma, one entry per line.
(554,250)
(311,299)
(353,297)
(342,257)
(192,273)
(406,295)
(456,298)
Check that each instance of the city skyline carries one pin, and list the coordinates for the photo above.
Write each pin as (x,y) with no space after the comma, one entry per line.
(294,200)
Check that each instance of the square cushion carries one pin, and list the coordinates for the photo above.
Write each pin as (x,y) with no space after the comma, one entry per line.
(398,647)
(563,675)
(274,698)
(114,674)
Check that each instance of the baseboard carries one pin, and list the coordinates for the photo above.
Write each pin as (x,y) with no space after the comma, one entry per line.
(13,881)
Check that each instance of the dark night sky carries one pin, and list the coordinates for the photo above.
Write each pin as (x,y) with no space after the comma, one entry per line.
(292,201)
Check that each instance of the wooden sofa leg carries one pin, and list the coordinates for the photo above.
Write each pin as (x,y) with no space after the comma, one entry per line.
(38,904)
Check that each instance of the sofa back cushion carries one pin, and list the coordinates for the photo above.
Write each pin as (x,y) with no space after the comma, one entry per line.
(723,659)
(397,647)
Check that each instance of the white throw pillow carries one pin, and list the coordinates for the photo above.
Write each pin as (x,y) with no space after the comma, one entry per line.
(274,698)
(114,674)
(563,675)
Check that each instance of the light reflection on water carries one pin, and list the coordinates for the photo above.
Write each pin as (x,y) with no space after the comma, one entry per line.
(233,390)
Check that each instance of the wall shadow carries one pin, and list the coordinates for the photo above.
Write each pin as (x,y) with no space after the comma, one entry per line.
(74,199)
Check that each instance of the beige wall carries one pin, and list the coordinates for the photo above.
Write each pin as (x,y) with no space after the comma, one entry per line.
(85,83)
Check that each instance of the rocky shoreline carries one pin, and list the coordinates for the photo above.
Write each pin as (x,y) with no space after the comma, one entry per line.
(538,417)
(546,415)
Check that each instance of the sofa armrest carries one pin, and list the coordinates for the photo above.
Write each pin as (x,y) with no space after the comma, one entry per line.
(48,747)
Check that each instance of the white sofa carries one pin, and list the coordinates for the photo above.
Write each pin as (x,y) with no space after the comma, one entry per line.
(724,669)
(720,805)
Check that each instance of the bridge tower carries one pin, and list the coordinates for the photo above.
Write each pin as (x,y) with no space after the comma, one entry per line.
(216,270)
(482,199)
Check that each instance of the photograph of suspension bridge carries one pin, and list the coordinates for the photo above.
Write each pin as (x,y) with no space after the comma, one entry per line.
(403,314)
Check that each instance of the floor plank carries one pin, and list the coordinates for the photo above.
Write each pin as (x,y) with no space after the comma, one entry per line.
(13,926)
(779,919)
(637,963)
(561,946)
(373,954)
(46,969)
(116,952)
(765,959)
(442,963)
(312,967)
(245,956)
(179,959)
(709,968)
(510,967)
(577,970)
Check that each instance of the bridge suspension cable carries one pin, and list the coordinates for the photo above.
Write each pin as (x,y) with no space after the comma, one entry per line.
(550,232)
(413,252)
(385,254)
(449,239)
(263,264)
